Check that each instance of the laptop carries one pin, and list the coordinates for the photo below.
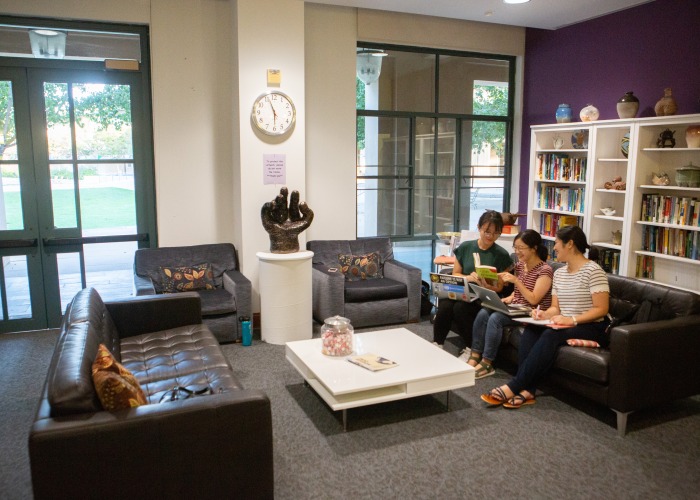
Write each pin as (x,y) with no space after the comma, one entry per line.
(490,299)
(446,286)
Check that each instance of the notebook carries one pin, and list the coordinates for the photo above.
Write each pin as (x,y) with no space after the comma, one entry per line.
(491,300)
(446,286)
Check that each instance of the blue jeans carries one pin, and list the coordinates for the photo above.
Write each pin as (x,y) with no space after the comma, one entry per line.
(539,347)
(488,332)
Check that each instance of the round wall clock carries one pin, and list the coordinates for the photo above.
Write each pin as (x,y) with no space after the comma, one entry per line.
(273,113)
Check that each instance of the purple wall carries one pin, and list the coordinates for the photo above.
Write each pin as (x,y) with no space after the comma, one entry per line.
(643,49)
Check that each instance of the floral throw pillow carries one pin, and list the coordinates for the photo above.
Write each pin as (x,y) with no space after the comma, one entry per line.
(360,267)
(116,387)
(187,279)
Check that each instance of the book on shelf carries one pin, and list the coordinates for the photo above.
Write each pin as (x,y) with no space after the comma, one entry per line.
(551,223)
(514,229)
(561,167)
(372,362)
(680,210)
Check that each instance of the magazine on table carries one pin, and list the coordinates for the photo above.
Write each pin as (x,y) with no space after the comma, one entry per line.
(372,362)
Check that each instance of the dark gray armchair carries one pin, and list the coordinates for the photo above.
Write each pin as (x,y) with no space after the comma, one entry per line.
(222,306)
(394,298)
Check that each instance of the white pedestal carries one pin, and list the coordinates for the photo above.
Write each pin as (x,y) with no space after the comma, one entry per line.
(285,296)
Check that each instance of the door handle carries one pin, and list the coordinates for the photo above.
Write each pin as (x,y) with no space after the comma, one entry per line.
(18,243)
(56,242)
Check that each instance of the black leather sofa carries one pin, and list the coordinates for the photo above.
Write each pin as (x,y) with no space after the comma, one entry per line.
(214,446)
(646,363)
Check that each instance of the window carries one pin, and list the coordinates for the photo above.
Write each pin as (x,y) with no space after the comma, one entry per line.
(434,134)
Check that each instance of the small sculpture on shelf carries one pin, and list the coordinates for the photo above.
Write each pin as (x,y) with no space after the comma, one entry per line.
(666,106)
(617,184)
(284,223)
(589,113)
(609,211)
(660,179)
(666,139)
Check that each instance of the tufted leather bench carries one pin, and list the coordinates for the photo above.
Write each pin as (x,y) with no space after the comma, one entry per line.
(189,447)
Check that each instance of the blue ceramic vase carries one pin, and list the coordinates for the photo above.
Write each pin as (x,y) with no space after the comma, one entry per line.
(563,113)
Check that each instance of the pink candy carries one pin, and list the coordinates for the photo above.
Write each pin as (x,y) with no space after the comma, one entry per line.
(336,344)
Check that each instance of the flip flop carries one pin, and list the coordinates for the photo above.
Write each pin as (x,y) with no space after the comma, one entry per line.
(495,397)
(517,401)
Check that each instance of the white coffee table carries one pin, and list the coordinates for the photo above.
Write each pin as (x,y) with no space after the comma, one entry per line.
(423,368)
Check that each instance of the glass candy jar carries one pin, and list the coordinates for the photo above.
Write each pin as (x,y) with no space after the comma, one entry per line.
(336,336)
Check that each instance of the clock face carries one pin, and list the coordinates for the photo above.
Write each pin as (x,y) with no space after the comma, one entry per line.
(273,113)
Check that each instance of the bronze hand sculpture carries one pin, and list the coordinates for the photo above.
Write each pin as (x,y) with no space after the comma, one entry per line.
(284,223)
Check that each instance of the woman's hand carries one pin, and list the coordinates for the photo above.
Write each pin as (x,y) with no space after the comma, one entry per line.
(563,320)
(507,277)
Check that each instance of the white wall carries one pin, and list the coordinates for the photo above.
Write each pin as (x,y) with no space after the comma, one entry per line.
(330,120)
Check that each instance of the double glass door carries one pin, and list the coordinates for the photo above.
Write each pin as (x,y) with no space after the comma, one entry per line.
(75,190)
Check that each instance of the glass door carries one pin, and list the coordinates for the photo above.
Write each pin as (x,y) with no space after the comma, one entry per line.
(80,205)
(21,280)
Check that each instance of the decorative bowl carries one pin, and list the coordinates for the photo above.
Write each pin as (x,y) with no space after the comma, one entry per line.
(608,211)
(688,176)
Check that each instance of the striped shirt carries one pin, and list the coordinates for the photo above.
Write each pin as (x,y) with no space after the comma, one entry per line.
(529,278)
(574,290)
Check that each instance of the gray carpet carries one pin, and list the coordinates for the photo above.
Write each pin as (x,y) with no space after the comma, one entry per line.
(562,447)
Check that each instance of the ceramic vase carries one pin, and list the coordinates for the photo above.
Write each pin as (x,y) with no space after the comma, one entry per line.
(589,113)
(563,113)
(627,105)
(666,106)
(692,136)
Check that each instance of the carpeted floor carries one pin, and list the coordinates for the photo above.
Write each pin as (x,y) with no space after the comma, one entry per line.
(562,447)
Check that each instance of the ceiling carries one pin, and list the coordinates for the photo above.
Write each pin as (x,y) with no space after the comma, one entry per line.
(545,14)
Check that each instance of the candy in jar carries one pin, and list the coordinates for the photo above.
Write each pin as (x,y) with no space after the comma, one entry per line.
(336,336)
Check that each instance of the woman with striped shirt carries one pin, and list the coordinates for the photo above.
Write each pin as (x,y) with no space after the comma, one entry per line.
(532,280)
(580,301)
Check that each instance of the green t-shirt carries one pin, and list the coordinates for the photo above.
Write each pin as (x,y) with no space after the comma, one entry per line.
(496,256)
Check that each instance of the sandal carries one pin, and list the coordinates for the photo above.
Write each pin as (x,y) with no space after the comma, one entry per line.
(517,401)
(495,397)
(484,370)
(474,356)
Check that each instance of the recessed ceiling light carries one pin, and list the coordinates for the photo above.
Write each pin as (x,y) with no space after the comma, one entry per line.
(516,1)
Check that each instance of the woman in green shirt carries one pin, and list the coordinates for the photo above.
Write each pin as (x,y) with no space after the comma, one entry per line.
(490,254)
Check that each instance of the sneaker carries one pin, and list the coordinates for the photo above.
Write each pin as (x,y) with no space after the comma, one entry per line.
(464,354)
(439,345)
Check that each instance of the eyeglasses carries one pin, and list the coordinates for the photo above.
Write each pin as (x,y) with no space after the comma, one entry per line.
(520,249)
(489,234)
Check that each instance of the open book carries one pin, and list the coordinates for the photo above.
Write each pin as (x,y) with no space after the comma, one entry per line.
(372,362)
(485,272)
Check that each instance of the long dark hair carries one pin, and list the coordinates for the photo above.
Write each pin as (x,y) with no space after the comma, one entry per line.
(491,217)
(576,234)
(533,240)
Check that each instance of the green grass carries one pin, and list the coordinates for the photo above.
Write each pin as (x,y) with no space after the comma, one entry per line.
(100,207)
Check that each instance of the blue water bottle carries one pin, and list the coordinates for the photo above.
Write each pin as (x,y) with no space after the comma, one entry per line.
(246,333)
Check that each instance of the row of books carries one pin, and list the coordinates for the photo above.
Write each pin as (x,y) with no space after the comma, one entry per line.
(609,260)
(560,167)
(670,209)
(551,223)
(645,267)
(671,241)
(561,198)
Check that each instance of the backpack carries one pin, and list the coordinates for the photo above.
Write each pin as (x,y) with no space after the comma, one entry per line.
(426,306)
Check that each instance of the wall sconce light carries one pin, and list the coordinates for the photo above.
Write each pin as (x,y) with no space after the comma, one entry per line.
(369,65)
(515,1)
(48,44)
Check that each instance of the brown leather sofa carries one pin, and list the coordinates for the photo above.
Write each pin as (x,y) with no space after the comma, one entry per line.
(646,363)
(214,446)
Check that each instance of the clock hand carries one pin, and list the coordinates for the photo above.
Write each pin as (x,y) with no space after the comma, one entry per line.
(274,113)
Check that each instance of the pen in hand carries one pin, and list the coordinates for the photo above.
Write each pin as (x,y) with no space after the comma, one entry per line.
(537,312)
